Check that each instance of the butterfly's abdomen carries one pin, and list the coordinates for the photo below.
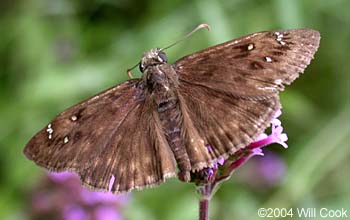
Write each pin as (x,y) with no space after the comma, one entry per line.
(163,88)
(169,115)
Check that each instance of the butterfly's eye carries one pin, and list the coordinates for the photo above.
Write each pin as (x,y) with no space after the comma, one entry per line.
(162,58)
(141,67)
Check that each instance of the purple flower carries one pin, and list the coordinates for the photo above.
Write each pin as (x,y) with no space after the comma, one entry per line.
(74,212)
(92,198)
(276,135)
(263,173)
(106,213)
(270,168)
(61,196)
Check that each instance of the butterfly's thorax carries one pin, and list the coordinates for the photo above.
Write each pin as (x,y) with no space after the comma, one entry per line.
(161,81)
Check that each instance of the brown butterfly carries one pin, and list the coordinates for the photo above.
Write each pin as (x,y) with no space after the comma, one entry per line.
(137,132)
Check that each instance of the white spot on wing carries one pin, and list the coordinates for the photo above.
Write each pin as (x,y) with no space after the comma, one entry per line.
(279,38)
(268,59)
(49,130)
(250,47)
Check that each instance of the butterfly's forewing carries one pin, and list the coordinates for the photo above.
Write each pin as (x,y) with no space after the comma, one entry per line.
(254,66)
(229,92)
(114,133)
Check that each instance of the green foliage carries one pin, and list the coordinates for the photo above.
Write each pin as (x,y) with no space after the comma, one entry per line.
(55,53)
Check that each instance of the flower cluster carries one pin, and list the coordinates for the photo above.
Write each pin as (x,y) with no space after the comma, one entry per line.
(61,196)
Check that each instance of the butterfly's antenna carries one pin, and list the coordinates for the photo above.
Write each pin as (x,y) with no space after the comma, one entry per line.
(176,42)
(128,71)
(187,35)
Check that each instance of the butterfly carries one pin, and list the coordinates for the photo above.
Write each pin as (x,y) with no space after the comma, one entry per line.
(140,132)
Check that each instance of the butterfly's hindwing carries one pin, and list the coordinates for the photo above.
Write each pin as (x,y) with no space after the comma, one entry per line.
(223,122)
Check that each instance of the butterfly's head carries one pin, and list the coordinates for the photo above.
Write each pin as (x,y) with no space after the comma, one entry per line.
(152,57)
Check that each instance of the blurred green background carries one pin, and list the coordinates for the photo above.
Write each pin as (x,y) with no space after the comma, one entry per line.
(55,53)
